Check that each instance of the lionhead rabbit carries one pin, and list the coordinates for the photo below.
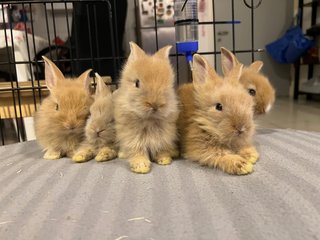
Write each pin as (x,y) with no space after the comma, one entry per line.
(147,110)
(257,85)
(100,129)
(216,120)
(61,118)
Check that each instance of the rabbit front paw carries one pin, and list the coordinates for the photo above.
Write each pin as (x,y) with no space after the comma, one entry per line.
(52,155)
(235,164)
(82,156)
(250,153)
(163,159)
(140,164)
(106,154)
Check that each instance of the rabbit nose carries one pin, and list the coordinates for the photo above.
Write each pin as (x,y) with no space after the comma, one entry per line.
(153,106)
(70,126)
(241,130)
(99,131)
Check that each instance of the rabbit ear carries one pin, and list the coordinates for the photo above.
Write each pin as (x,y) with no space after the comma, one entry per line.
(228,60)
(163,52)
(136,52)
(102,89)
(52,74)
(256,66)
(201,70)
(235,73)
(85,78)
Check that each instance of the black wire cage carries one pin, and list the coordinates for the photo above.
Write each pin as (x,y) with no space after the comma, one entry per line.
(78,35)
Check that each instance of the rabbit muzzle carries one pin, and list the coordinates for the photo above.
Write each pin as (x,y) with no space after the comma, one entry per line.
(154,107)
(99,132)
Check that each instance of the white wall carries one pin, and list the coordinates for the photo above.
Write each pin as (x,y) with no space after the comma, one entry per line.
(60,20)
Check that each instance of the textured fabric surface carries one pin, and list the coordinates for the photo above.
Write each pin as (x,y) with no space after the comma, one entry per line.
(45,199)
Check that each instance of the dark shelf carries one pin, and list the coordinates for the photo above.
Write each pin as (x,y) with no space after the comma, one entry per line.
(307,64)
(312,59)
(301,92)
(314,30)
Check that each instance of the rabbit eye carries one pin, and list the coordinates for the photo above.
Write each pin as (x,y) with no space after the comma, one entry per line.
(219,106)
(57,107)
(252,92)
(137,83)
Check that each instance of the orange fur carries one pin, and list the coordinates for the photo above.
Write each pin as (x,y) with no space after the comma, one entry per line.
(211,137)
(265,94)
(147,109)
(252,78)
(60,120)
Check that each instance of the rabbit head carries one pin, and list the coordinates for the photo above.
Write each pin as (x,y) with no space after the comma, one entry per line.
(61,117)
(223,108)
(146,87)
(100,125)
(257,85)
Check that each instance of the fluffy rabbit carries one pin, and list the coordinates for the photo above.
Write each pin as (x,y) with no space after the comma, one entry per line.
(100,129)
(257,85)
(216,120)
(61,118)
(147,109)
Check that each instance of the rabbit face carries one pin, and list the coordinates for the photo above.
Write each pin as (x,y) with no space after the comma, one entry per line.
(227,111)
(222,106)
(100,125)
(70,111)
(147,82)
(259,87)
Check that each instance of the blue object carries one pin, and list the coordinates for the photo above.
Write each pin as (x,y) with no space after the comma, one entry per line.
(187,48)
(290,47)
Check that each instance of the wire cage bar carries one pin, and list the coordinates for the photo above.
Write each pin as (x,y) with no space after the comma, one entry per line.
(77,35)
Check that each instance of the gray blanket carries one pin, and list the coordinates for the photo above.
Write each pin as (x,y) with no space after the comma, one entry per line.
(41,199)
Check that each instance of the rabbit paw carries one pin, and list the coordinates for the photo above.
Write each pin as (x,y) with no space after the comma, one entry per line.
(164,160)
(249,153)
(235,164)
(80,157)
(106,154)
(52,155)
(140,165)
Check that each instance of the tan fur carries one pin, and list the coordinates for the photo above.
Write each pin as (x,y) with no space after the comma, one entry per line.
(60,131)
(252,78)
(209,136)
(100,129)
(146,116)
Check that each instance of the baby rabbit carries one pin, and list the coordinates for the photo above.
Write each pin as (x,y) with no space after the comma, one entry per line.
(257,85)
(216,120)
(147,109)
(100,131)
(60,120)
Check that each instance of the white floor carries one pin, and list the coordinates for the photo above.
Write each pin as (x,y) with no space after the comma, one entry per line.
(287,113)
